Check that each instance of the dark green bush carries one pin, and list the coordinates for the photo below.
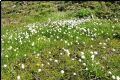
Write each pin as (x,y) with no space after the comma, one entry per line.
(84,12)
(61,8)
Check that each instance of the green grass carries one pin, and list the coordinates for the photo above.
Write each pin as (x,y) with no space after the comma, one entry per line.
(87,51)
(106,57)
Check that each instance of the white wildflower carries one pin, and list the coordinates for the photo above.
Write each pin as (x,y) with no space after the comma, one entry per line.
(73,59)
(49,52)
(84,64)
(113,49)
(15,50)
(33,43)
(6,56)
(86,69)
(10,48)
(38,54)
(25,55)
(48,63)
(42,64)
(74,73)
(18,77)
(117,77)
(80,60)
(56,61)
(61,53)
(82,53)
(83,57)
(22,66)
(50,59)
(113,76)
(4,65)
(93,56)
(100,43)
(67,51)
(104,43)
(95,52)
(91,52)
(65,41)
(39,70)
(109,72)
(62,71)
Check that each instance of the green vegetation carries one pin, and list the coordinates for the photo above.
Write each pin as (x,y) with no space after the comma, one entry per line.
(60,40)
(84,12)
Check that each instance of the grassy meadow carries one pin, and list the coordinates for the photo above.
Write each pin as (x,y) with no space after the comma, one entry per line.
(59,40)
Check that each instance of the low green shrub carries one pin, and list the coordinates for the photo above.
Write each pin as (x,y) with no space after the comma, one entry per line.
(84,12)
(61,8)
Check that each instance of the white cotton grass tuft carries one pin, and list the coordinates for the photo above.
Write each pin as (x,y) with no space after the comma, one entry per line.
(22,66)
(82,53)
(39,70)
(95,52)
(93,56)
(74,74)
(67,51)
(113,77)
(42,65)
(91,52)
(113,49)
(61,53)
(5,65)
(6,56)
(48,63)
(18,77)
(80,60)
(109,72)
(50,59)
(25,55)
(62,71)
(10,48)
(33,43)
(73,59)
(84,64)
(83,57)
(86,68)
(38,55)
(56,61)
(49,52)
(117,77)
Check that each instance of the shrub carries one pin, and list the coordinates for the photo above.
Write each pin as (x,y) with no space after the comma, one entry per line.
(61,8)
(84,12)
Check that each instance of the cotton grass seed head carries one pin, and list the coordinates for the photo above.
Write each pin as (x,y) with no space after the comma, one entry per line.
(113,77)
(117,77)
(4,65)
(22,66)
(39,70)
(56,61)
(18,77)
(83,57)
(62,71)
(109,72)
(74,74)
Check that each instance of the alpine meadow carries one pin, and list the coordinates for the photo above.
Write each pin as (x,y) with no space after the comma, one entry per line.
(60,40)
